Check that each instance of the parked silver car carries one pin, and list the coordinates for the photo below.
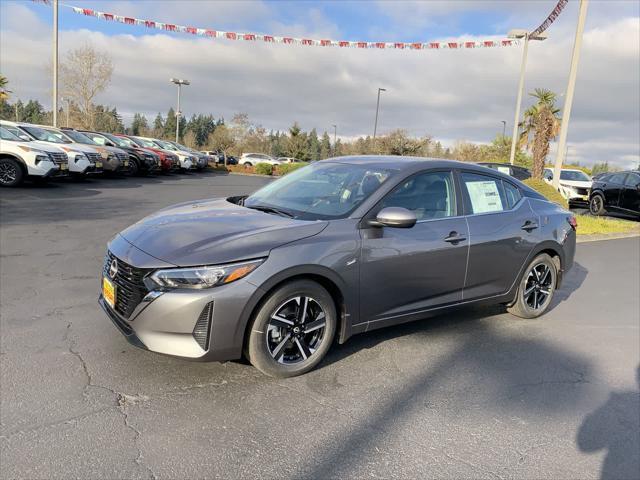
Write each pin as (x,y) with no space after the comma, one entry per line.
(339,247)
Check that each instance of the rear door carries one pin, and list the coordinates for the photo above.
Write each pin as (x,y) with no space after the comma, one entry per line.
(613,189)
(630,195)
(502,230)
(408,270)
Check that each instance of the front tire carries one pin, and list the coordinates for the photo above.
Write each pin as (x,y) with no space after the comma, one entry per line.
(11,174)
(536,288)
(596,205)
(292,330)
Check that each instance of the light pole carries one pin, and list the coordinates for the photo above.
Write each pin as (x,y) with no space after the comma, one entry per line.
(568,99)
(335,134)
(55,64)
(504,128)
(521,34)
(179,82)
(375,125)
(68,108)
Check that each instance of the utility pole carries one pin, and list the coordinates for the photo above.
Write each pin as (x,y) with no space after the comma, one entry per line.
(55,64)
(335,134)
(179,82)
(568,99)
(520,34)
(375,125)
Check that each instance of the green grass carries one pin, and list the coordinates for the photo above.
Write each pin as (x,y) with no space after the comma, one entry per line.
(587,224)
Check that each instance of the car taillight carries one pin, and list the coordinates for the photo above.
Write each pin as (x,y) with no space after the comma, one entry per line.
(573,221)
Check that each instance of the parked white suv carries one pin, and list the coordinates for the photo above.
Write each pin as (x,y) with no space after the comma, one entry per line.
(20,159)
(575,185)
(188,160)
(252,159)
(82,158)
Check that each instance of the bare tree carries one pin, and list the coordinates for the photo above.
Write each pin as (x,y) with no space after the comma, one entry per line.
(84,73)
(221,140)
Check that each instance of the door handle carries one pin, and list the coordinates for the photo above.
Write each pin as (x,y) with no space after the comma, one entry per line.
(529,225)
(454,237)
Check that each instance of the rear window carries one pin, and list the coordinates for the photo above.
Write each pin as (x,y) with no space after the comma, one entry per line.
(632,180)
(484,194)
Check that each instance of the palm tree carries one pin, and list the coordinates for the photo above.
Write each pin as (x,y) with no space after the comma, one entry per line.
(541,125)
(4,93)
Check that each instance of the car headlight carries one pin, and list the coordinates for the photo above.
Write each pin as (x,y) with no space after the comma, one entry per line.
(42,157)
(30,149)
(199,277)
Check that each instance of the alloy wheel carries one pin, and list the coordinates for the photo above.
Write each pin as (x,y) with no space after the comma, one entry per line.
(8,173)
(596,204)
(537,290)
(295,330)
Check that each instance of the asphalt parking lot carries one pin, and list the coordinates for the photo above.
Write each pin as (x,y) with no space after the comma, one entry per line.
(478,394)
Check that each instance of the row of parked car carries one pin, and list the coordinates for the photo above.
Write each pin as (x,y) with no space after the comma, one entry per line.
(250,159)
(42,152)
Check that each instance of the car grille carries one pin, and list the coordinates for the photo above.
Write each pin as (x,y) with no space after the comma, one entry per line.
(130,288)
(202,330)
(94,157)
(59,157)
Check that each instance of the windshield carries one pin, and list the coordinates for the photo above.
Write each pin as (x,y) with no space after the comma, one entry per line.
(79,137)
(320,191)
(166,145)
(121,141)
(47,135)
(7,135)
(184,148)
(143,142)
(574,175)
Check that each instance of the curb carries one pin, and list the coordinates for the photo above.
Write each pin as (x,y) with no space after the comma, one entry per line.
(600,237)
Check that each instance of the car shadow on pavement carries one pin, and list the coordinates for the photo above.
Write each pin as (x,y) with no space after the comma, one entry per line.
(498,368)
(615,428)
(571,282)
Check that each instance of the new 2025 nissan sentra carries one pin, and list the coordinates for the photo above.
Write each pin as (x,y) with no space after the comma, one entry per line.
(339,247)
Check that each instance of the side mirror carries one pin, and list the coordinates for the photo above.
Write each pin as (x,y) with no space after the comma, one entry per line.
(109,143)
(395,217)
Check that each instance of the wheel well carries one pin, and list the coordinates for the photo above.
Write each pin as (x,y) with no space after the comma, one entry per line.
(17,159)
(330,286)
(555,257)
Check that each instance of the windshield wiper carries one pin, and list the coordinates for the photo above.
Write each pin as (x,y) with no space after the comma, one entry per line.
(266,209)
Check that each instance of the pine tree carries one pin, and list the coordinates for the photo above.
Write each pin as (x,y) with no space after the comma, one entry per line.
(169,131)
(325,146)
(158,126)
(313,145)
(139,124)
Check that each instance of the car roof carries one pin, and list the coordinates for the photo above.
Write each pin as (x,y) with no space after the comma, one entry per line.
(406,163)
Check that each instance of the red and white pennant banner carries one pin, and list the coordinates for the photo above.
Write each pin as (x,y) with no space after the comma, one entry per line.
(255,37)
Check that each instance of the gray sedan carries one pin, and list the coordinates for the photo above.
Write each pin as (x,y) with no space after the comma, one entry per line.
(339,247)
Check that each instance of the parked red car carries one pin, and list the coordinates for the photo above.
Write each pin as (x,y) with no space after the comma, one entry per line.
(168,161)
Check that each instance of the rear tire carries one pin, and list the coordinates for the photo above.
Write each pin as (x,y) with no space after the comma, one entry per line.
(292,330)
(11,174)
(596,205)
(536,289)
(247,165)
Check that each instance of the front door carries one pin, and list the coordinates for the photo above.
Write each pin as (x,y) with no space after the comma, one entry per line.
(613,189)
(409,270)
(630,195)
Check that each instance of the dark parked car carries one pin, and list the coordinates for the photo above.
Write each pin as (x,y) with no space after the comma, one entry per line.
(616,192)
(514,171)
(141,161)
(339,247)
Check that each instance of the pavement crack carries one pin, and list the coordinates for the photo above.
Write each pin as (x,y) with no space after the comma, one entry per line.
(123,401)
(64,421)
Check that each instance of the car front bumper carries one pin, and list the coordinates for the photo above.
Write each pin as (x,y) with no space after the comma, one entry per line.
(199,325)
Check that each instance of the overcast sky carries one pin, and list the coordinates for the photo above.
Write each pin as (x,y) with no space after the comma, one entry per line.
(451,95)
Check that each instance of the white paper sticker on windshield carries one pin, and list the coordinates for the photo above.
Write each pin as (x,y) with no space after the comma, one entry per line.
(484,196)
(504,170)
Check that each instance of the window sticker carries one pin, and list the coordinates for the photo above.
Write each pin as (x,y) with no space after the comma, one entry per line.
(484,196)
(506,170)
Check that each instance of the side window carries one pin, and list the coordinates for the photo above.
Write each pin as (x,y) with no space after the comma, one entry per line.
(511,193)
(617,178)
(484,193)
(428,195)
(632,180)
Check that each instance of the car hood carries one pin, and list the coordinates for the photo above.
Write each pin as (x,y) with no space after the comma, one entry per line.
(208,232)
(576,183)
(46,147)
